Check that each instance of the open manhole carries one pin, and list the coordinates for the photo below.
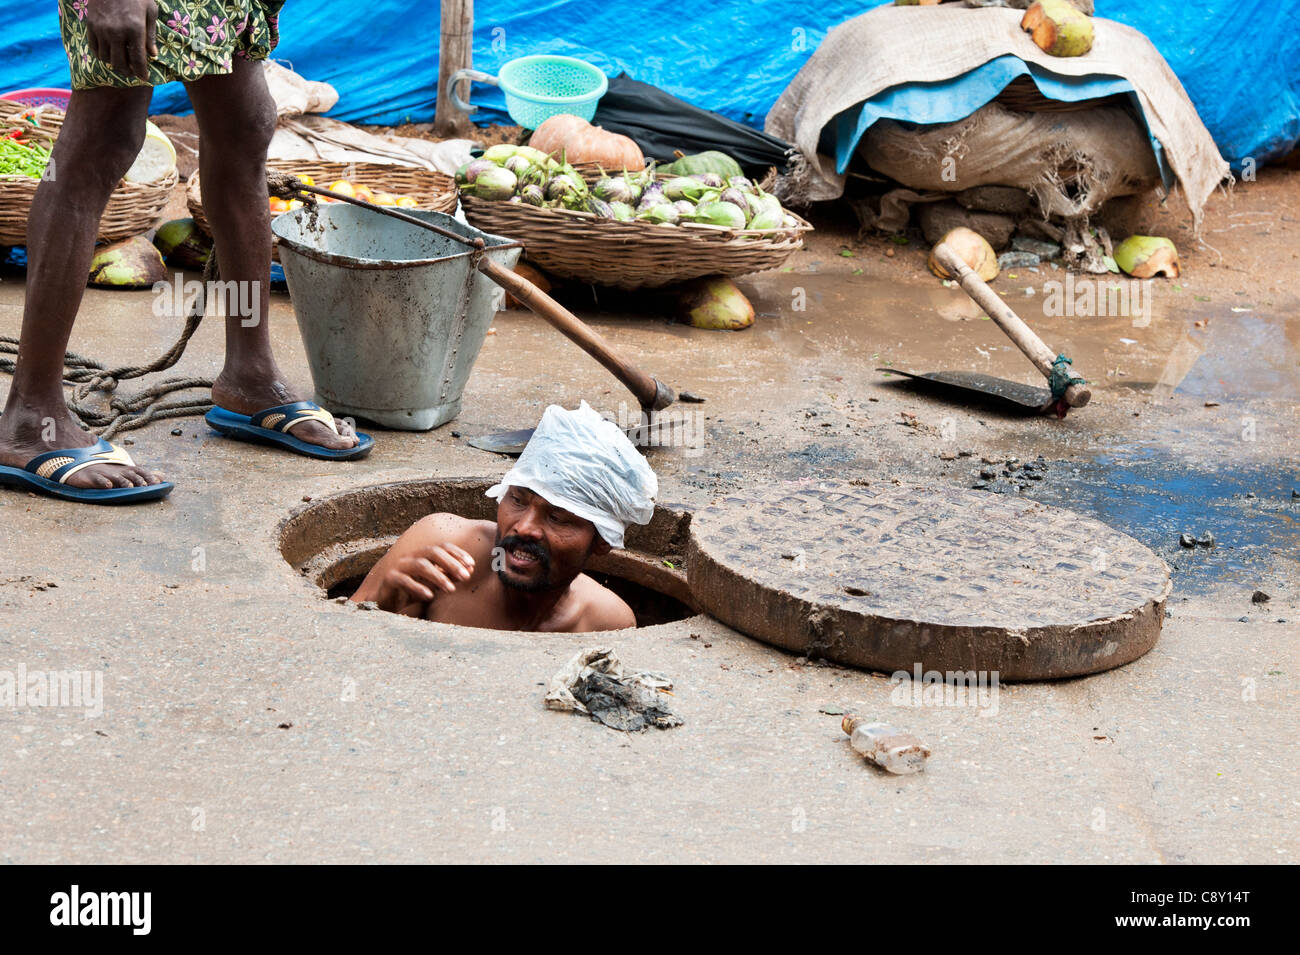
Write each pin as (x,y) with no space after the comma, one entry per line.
(886,579)
(946,579)
(335,541)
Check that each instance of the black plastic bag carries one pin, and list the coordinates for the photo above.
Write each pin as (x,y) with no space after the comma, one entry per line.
(661,124)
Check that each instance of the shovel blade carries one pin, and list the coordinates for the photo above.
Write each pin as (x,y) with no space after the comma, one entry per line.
(514,442)
(503,442)
(1014,393)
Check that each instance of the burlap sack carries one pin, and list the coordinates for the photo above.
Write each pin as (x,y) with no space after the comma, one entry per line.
(892,45)
(1070,162)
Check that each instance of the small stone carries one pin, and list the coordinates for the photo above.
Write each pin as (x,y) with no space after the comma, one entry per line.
(1259,597)
(980,486)
(1187,540)
(1034,476)
(966,454)
(1007,200)
(1206,539)
(947,456)
(1243,620)
(1046,251)
(176,432)
(455,434)
(1295,493)
(306,498)
(1018,260)
(367,605)
(1250,494)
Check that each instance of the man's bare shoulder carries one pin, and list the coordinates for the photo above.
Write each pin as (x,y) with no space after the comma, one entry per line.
(475,536)
(602,609)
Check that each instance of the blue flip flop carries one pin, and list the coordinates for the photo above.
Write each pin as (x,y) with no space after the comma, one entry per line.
(48,473)
(272,427)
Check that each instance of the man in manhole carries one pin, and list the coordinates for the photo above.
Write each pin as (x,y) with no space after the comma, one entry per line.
(571,495)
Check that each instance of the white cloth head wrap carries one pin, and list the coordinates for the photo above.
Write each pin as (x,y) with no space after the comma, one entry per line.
(579,461)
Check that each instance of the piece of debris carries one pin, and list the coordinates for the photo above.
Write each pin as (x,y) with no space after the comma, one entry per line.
(1259,597)
(595,684)
(888,747)
(1206,539)
(1186,540)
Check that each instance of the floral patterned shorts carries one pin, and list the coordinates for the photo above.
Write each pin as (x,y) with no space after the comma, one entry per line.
(195,38)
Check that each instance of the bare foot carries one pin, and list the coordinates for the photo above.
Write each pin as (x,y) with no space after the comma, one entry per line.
(250,396)
(24,431)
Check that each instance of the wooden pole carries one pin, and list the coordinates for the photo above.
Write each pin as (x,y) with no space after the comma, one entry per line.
(1024,337)
(455,52)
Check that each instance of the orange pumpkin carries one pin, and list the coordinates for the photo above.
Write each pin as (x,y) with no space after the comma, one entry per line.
(575,140)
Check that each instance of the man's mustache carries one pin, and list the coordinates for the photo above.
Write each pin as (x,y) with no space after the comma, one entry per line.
(531,547)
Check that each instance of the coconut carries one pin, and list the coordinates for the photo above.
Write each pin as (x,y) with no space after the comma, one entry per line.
(131,263)
(715,303)
(1146,256)
(182,244)
(1058,27)
(973,249)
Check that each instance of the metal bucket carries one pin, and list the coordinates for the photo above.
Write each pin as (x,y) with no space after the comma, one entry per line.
(392,315)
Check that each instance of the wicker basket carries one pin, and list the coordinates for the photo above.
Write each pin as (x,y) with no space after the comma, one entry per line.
(630,255)
(133,208)
(431,190)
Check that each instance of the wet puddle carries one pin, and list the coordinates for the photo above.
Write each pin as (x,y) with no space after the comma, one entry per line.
(1152,496)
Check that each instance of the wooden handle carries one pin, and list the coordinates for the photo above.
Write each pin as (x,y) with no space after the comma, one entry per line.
(650,392)
(1024,337)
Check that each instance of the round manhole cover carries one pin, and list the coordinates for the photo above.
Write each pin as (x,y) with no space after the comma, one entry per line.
(950,580)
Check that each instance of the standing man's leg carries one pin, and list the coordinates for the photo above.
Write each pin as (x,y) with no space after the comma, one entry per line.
(236,117)
(101,135)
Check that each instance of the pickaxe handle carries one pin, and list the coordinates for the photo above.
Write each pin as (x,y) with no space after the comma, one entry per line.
(1024,337)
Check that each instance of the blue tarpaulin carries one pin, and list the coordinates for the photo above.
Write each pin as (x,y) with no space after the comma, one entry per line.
(1238,59)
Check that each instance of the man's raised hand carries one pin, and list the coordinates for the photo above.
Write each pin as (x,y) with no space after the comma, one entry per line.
(419,575)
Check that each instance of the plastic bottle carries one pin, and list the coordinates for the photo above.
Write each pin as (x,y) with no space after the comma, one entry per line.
(886,746)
